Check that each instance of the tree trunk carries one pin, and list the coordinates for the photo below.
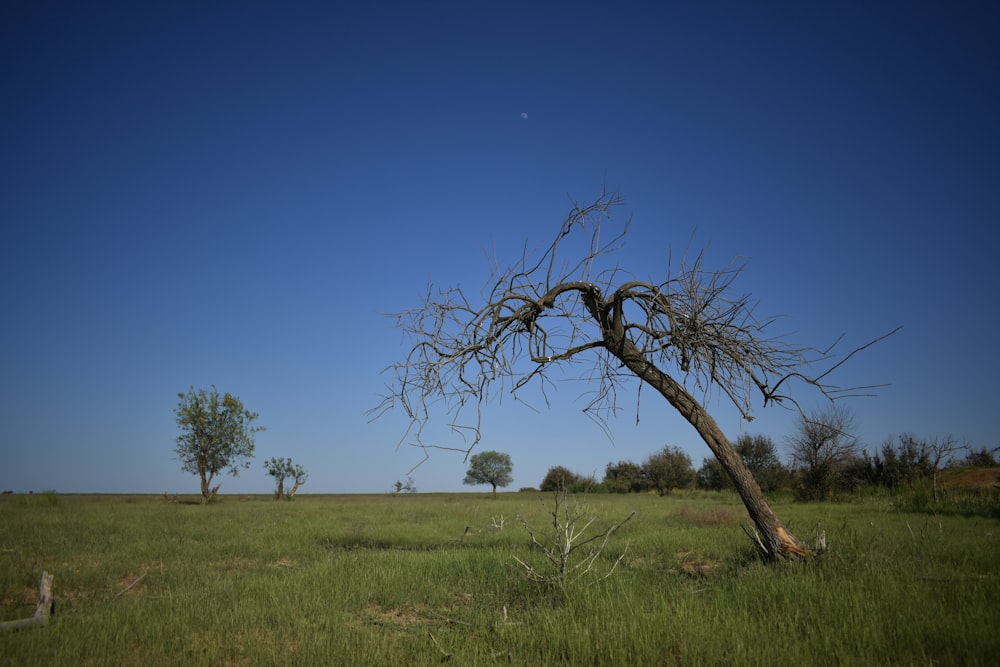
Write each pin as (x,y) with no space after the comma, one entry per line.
(281,488)
(295,488)
(42,610)
(775,541)
(207,494)
(494,490)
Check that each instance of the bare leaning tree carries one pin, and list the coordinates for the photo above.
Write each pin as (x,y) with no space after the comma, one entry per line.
(687,334)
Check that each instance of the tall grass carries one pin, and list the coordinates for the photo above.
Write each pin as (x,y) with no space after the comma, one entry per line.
(421,579)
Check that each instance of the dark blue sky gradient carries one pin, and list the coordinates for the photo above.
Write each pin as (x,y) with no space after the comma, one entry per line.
(230,194)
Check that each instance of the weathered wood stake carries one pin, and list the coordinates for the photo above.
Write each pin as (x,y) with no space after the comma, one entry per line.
(42,611)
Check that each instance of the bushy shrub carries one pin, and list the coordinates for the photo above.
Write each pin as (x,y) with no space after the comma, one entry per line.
(667,470)
(624,477)
(558,478)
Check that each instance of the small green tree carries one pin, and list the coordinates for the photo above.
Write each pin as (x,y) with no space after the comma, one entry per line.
(760,457)
(282,469)
(667,470)
(217,433)
(907,459)
(490,467)
(981,458)
(712,476)
(559,478)
(623,477)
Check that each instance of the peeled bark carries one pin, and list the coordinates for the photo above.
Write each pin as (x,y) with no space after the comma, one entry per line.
(44,608)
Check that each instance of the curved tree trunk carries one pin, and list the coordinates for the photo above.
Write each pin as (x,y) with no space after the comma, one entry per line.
(775,541)
(778,543)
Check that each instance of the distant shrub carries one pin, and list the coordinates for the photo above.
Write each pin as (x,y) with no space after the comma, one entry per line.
(982,458)
(48,498)
(557,478)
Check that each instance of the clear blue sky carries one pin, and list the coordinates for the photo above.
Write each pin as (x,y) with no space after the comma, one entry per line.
(198,193)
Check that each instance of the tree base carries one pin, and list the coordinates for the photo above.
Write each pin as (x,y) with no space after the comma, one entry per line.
(790,548)
(787,548)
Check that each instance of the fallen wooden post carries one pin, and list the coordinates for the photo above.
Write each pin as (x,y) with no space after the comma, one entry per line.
(42,611)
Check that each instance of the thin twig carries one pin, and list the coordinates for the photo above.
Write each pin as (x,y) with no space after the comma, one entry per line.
(446,654)
(127,588)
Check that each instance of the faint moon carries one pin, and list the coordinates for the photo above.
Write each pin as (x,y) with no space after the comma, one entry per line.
(524,115)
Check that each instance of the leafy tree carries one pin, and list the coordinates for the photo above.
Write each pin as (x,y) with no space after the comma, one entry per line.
(823,447)
(217,433)
(900,462)
(906,459)
(558,311)
(490,467)
(624,477)
(560,478)
(982,458)
(667,470)
(282,469)
(557,479)
(712,476)
(760,457)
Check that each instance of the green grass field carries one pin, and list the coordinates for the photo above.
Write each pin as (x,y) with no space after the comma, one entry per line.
(430,578)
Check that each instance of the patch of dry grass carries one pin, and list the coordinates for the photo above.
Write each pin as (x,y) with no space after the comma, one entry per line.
(709,516)
(971,478)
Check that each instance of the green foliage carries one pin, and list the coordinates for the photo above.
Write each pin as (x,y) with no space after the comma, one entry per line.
(217,433)
(982,458)
(491,467)
(667,470)
(908,462)
(761,458)
(624,477)
(558,477)
(711,476)
(282,469)
(899,464)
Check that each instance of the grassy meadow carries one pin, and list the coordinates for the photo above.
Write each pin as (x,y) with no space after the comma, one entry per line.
(429,578)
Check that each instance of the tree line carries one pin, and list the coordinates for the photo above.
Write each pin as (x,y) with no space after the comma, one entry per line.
(825,459)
